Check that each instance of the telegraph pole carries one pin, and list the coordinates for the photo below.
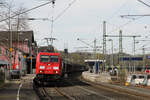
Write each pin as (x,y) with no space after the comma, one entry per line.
(120,41)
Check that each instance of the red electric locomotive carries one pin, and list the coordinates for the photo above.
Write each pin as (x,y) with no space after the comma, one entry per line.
(48,66)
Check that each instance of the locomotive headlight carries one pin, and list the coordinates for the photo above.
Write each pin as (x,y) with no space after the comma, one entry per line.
(17,66)
(42,67)
(55,68)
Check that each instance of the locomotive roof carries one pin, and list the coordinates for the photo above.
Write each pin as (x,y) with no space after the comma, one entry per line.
(49,53)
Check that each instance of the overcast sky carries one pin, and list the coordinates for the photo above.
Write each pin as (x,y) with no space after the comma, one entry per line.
(84,20)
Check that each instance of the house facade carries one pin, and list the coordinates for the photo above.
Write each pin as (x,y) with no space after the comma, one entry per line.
(17,49)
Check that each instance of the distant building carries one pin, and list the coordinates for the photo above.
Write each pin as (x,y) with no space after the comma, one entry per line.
(94,65)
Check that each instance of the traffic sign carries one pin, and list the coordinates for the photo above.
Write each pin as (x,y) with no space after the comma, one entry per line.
(148,57)
(10,49)
(25,56)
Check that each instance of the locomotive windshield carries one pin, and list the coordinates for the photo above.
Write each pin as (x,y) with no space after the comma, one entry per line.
(44,58)
(47,58)
(54,58)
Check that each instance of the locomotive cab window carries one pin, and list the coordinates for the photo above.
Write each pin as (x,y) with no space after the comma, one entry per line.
(44,58)
(54,58)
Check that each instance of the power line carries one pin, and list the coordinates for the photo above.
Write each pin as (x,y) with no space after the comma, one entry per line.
(123,25)
(117,11)
(70,4)
(27,11)
(144,3)
(138,15)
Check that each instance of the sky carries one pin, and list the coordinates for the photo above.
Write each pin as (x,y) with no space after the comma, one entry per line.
(84,19)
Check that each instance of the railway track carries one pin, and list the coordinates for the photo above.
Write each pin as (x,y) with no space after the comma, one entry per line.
(119,89)
(102,92)
(79,92)
(70,89)
(51,93)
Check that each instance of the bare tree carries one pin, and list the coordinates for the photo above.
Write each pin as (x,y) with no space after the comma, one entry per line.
(8,9)
(18,23)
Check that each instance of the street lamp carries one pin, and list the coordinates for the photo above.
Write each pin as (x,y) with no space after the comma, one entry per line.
(112,51)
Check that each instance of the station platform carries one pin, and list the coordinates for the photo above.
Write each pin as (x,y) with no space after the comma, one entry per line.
(97,78)
(22,89)
(104,79)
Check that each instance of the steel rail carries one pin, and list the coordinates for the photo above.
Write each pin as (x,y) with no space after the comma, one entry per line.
(116,89)
(91,92)
(64,94)
(45,95)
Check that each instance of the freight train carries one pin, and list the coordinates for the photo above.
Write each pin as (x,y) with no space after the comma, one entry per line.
(50,66)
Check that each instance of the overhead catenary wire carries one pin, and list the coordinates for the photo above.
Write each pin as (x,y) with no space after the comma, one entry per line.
(69,5)
(133,19)
(26,11)
(144,3)
(123,25)
(118,10)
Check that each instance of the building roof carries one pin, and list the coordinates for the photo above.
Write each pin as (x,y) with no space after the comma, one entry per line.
(23,35)
(49,48)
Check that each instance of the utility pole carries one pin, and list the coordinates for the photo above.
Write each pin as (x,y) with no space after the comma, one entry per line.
(143,57)
(120,40)
(143,52)
(120,48)
(112,50)
(134,52)
(31,56)
(95,49)
(10,40)
(104,46)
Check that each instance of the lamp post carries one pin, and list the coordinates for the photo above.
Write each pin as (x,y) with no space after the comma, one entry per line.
(112,51)
(25,41)
(30,57)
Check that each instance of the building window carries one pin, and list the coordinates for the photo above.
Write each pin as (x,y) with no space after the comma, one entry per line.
(6,51)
